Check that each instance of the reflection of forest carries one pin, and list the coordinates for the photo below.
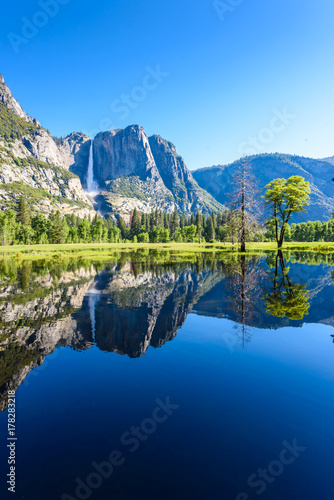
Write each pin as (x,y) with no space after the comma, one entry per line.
(133,303)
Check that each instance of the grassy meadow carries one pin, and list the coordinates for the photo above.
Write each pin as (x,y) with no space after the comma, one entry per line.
(101,250)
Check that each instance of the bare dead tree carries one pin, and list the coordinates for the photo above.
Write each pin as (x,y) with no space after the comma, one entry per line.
(246,201)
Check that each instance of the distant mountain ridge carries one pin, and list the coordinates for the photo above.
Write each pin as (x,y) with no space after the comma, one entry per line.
(268,166)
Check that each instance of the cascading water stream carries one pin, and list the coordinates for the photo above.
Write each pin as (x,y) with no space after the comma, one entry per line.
(92,186)
(92,301)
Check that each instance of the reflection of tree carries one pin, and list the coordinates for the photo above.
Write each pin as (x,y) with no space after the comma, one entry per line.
(290,300)
(246,290)
(24,276)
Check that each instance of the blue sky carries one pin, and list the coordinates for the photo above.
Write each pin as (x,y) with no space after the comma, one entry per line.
(236,77)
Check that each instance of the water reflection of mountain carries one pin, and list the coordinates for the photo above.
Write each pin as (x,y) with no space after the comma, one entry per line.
(135,312)
(129,306)
(130,311)
(36,317)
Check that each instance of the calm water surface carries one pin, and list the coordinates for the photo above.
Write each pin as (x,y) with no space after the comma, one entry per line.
(139,380)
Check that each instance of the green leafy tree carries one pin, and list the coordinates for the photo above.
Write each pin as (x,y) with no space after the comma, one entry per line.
(26,234)
(285,198)
(84,232)
(8,227)
(73,236)
(189,233)
(156,234)
(41,227)
(114,234)
(199,225)
(144,237)
(59,228)
(99,231)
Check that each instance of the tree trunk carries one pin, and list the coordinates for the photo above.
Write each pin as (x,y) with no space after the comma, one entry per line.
(243,215)
(243,297)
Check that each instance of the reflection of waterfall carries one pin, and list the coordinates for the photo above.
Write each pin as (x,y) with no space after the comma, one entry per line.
(92,301)
(92,186)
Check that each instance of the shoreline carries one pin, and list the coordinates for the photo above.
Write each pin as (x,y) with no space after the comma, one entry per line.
(75,250)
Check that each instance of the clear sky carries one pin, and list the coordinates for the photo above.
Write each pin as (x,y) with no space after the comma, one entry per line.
(219,79)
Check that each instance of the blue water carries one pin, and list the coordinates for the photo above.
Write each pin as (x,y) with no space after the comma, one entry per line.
(237,402)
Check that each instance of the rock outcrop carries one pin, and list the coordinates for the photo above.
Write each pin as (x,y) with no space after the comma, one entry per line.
(33,165)
(74,150)
(188,196)
(41,145)
(120,153)
(8,100)
(147,173)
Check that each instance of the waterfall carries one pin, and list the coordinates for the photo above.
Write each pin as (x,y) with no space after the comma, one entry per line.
(92,186)
(92,301)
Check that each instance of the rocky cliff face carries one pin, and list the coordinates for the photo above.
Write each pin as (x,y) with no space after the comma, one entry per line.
(33,165)
(74,150)
(266,167)
(120,153)
(147,173)
(8,100)
(41,145)
(188,196)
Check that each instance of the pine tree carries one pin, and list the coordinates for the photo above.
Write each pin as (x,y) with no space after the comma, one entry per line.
(214,219)
(152,222)
(147,223)
(174,223)
(166,225)
(135,223)
(121,226)
(23,212)
(210,229)
(198,224)
(220,221)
